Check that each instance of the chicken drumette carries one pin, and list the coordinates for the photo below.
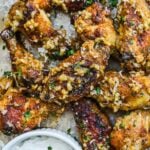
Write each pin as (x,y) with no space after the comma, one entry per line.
(134,33)
(93,125)
(29,69)
(94,23)
(132,131)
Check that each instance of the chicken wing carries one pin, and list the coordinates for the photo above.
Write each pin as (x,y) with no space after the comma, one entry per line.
(134,33)
(132,132)
(123,92)
(73,78)
(20,114)
(29,68)
(33,22)
(94,23)
(93,125)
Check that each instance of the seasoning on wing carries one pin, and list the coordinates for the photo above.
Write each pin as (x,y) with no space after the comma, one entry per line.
(32,21)
(134,33)
(29,68)
(94,23)
(132,131)
(93,125)
(73,77)
(5,84)
(123,92)
(19,113)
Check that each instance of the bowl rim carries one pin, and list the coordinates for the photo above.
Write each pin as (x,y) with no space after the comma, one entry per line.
(44,132)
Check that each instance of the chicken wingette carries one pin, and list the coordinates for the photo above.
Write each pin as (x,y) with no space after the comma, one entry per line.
(134,33)
(94,23)
(73,77)
(93,125)
(19,113)
(132,131)
(123,92)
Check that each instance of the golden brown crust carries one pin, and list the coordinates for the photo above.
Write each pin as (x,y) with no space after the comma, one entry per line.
(132,132)
(93,125)
(30,20)
(20,114)
(30,68)
(134,33)
(123,92)
(94,23)
(73,78)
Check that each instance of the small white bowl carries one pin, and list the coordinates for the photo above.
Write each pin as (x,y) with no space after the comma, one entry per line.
(52,133)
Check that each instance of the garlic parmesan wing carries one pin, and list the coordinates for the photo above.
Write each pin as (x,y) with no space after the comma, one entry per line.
(134,33)
(94,23)
(123,92)
(93,125)
(19,113)
(73,77)
(132,131)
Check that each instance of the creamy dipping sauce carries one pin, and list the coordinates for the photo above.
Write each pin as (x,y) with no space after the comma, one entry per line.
(42,143)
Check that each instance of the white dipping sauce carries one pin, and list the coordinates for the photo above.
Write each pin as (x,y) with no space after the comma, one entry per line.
(42,143)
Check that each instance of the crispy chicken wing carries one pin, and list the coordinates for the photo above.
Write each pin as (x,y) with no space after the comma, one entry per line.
(73,77)
(19,114)
(93,125)
(123,92)
(30,20)
(30,68)
(34,23)
(134,33)
(94,23)
(132,132)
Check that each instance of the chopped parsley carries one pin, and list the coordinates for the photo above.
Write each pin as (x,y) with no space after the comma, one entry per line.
(113,3)
(97,90)
(49,148)
(70,52)
(69,131)
(7,74)
(4,46)
(10,73)
(27,115)
(121,126)
(52,85)
(89,2)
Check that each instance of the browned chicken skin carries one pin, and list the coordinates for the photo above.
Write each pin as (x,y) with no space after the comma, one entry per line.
(31,69)
(94,23)
(132,132)
(73,77)
(134,33)
(93,125)
(19,113)
(30,20)
(123,92)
